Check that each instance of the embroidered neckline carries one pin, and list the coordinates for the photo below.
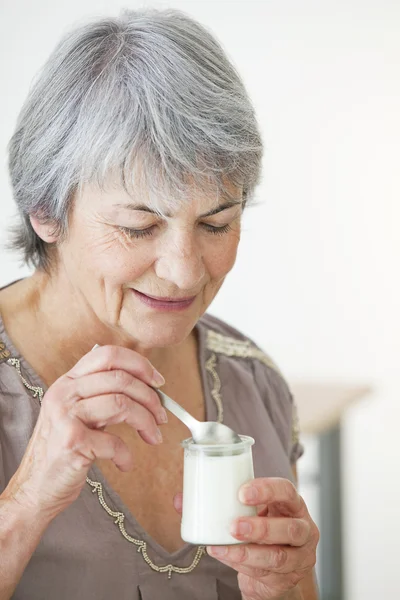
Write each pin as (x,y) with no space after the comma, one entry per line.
(118,516)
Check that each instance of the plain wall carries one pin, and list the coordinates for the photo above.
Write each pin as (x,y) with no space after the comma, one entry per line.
(316,278)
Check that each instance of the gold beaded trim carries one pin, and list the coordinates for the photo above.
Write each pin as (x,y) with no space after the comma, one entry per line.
(216,390)
(295,425)
(142,546)
(223,344)
(37,392)
(119,517)
(4,353)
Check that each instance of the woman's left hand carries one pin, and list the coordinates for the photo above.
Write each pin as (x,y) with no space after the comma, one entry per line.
(281,541)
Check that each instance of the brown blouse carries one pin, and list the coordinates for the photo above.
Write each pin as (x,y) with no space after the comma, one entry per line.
(96,549)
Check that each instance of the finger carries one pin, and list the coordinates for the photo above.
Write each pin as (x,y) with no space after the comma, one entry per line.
(121,383)
(101,444)
(273,490)
(277,559)
(110,409)
(178,499)
(107,358)
(272,530)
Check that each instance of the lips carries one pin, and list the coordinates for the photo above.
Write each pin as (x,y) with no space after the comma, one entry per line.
(164,303)
(167,298)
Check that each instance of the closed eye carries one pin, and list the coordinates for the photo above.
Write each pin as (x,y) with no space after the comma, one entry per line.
(149,231)
(138,233)
(216,230)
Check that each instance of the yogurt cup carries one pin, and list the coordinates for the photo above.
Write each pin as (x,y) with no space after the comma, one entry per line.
(212,476)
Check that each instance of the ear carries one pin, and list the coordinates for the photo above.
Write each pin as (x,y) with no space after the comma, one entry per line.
(44,230)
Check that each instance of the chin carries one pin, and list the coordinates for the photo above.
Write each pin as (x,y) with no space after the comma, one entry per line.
(158,333)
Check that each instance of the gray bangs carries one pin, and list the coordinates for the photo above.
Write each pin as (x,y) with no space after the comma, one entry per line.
(147,100)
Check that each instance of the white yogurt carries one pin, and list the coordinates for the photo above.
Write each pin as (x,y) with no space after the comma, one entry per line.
(210,491)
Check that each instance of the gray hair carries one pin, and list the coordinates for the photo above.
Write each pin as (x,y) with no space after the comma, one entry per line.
(149,97)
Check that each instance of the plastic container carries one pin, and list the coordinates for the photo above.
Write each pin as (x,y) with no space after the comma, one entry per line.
(212,476)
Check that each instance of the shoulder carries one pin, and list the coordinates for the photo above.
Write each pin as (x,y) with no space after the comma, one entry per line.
(245,356)
(228,341)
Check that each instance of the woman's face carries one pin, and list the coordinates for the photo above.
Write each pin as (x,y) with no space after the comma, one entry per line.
(149,278)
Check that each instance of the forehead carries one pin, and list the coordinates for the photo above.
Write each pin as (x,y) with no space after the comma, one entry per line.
(114,195)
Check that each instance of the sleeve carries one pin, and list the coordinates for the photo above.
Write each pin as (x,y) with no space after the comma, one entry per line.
(281,406)
(2,478)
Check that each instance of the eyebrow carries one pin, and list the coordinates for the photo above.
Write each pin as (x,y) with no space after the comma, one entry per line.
(214,211)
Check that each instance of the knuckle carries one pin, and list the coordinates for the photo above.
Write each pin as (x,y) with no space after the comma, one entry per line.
(295,577)
(265,529)
(79,411)
(147,396)
(147,418)
(237,554)
(53,397)
(82,461)
(120,403)
(298,531)
(74,438)
(67,389)
(240,554)
(278,558)
(145,368)
(154,399)
(110,356)
(122,378)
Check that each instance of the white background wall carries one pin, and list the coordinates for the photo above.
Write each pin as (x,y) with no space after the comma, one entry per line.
(316,278)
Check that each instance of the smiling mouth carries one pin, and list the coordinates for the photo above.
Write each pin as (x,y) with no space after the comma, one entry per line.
(164,302)
(167,298)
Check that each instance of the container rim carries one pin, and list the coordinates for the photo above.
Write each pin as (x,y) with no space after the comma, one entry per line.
(247,441)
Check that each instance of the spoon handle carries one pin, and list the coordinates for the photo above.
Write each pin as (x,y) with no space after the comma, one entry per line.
(178,411)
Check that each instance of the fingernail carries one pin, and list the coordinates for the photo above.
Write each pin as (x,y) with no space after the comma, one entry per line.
(219,551)
(95,346)
(248,493)
(163,416)
(159,436)
(158,379)
(241,528)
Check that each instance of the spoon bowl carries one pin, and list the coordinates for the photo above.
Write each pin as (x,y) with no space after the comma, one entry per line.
(203,432)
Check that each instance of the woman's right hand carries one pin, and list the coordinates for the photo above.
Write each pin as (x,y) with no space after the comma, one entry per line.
(109,385)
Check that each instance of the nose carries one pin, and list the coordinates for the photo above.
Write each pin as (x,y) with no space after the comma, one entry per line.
(180,262)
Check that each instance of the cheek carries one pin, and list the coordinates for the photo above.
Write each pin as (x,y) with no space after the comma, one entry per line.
(107,255)
(221,258)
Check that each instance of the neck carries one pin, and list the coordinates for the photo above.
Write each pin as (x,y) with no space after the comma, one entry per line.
(53,339)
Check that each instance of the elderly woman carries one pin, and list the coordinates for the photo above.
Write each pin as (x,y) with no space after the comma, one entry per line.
(131,164)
